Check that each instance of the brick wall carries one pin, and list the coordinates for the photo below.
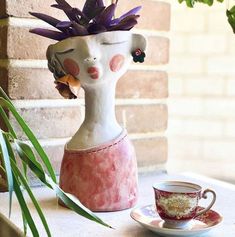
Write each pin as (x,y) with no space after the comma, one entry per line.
(141,93)
(202,89)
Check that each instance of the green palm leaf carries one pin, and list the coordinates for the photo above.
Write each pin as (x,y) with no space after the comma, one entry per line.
(24,207)
(7,165)
(38,208)
(29,134)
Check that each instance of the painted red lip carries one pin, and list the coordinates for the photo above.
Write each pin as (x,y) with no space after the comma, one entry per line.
(93,72)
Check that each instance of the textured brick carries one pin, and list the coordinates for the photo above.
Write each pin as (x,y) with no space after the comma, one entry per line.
(55,154)
(186,106)
(184,21)
(209,86)
(207,44)
(4,86)
(222,65)
(230,87)
(50,122)
(35,83)
(186,65)
(31,46)
(64,122)
(154,15)
(143,84)
(20,8)
(27,83)
(176,85)
(152,151)
(4,78)
(194,127)
(3,41)
(219,108)
(3,9)
(34,47)
(158,50)
(143,118)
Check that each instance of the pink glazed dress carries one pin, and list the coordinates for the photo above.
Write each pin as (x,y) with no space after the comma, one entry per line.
(103,178)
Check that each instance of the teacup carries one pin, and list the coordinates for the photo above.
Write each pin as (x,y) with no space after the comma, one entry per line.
(177,202)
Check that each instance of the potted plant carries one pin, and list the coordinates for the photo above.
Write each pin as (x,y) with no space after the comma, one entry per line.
(94,25)
(94,51)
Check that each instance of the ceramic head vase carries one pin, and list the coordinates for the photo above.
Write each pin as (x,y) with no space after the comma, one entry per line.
(99,163)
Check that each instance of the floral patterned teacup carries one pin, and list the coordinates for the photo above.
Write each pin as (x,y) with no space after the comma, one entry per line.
(177,202)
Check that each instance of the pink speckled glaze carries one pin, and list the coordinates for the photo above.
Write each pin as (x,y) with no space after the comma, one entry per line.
(103,178)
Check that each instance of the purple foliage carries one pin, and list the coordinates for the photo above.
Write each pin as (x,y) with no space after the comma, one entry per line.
(93,19)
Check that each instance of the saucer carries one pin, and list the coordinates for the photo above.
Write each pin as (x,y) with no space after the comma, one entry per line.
(149,218)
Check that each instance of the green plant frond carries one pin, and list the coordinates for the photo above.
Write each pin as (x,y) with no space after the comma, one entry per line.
(231,17)
(26,155)
(30,135)
(25,223)
(35,203)
(191,3)
(24,207)
(7,123)
(2,172)
(7,165)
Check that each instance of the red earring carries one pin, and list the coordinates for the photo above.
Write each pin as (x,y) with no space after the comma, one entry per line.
(138,56)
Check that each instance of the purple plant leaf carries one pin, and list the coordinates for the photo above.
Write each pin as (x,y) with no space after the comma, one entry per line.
(50,20)
(96,28)
(114,22)
(99,3)
(74,14)
(124,25)
(79,30)
(63,3)
(131,12)
(89,6)
(64,24)
(95,12)
(106,16)
(51,34)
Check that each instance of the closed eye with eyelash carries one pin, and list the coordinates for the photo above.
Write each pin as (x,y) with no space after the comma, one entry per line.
(113,43)
(66,51)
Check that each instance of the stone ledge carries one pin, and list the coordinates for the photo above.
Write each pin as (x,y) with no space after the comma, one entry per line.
(64,222)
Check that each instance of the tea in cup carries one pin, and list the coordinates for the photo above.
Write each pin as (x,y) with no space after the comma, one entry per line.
(177,202)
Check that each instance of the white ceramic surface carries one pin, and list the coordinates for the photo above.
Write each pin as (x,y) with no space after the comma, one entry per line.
(96,62)
(148,217)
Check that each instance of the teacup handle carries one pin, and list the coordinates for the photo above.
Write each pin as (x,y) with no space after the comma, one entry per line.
(204,195)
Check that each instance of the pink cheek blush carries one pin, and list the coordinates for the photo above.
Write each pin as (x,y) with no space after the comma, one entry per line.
(116,62)
(71,67)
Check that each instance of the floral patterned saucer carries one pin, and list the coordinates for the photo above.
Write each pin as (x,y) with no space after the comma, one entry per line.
(149,218)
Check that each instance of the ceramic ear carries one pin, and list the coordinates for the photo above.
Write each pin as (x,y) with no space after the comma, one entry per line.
(138,42)
(138,48)
(53,63)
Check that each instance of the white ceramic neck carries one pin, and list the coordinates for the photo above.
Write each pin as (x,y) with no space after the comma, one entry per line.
(100,124)
(100,104)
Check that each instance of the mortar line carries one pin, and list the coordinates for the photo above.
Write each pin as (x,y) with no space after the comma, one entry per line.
(30,63)
(59,103)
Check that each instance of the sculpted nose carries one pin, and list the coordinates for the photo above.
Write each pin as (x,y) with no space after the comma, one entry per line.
(90,59)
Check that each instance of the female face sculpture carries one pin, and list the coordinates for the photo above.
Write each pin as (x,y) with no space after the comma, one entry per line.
(94,59)
(94,62)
